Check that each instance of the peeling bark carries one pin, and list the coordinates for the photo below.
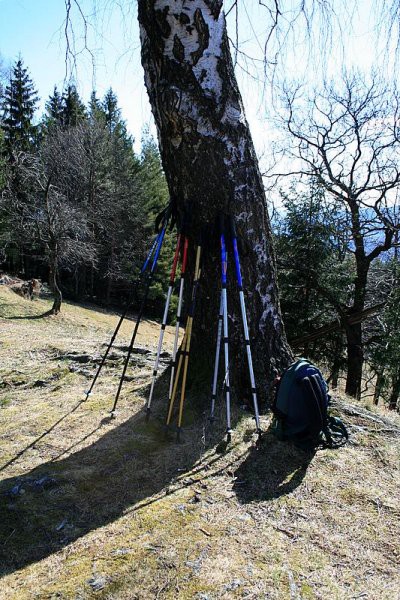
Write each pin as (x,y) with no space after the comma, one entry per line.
(211,166)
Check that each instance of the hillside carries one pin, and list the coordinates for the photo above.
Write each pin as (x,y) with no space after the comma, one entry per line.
(110,508)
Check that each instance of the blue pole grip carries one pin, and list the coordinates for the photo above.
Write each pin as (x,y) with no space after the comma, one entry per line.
(158,249)
(237,263)
(150,254)
(224,260)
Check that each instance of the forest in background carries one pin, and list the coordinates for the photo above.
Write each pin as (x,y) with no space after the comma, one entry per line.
(78,203)
(78,207)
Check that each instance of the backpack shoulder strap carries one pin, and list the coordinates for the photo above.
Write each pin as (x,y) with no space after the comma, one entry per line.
(315,404)
(335,433)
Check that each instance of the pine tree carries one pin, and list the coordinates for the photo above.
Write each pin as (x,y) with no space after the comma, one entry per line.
(54,108)
(19,104)
(96,111)
(155,198)
(314,271)
(2,162)
(115,124)
(74,111)
(122,212)
(4,223)
(112,112)
(3,77)
(154,183)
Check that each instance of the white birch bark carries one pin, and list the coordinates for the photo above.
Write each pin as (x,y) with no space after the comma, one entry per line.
(209,159)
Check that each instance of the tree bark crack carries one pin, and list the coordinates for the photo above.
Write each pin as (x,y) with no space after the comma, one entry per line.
(203,36)
(178,49)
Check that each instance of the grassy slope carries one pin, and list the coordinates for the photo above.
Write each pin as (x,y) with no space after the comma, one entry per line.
(132,515)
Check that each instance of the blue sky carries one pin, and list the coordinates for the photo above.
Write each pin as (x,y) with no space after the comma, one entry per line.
(34,28)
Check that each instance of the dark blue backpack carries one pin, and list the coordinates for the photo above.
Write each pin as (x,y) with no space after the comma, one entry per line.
(301,409)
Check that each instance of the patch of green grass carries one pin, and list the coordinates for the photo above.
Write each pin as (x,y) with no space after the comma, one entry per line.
(5,401)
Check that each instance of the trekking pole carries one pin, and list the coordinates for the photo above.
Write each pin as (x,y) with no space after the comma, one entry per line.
(216,362)
(171,400)
(185,350)
(164,322)
(178,315)
(197,274)
(224,268)
(141,310)
(123,316)
(245,325)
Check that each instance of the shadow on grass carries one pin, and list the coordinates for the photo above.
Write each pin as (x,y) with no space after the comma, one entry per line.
(63,499)
(48,313)
(46,433)
(130,466)
(272,469)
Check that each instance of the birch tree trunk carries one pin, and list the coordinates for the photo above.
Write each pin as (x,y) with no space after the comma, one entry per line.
(211,166)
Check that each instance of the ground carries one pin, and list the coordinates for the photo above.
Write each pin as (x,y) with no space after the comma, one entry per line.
(112,508)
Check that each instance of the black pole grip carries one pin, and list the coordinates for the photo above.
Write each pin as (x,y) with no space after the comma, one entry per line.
(221,224)
(233,226)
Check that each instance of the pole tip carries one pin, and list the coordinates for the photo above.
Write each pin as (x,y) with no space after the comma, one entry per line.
(259,438)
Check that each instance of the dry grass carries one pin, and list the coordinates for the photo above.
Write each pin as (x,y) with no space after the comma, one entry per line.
(126,514)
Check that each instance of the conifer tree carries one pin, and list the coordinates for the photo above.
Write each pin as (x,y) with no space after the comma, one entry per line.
(155,198)
(2,76)
(73,111)
(121,213)
(156,191)
(111,197)
(4,224)
(19,104)
(96,112)
(55,108)
(314,270)
(2,162)
(112,112)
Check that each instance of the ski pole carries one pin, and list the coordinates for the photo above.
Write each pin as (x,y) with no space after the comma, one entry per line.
(185,349)
(224,268)
(178,315)
(141,310)
(122,317)
(245,325)
(216,362)
(164,322)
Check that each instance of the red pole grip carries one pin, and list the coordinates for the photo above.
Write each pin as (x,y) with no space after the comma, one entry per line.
(175,261)
(184,257)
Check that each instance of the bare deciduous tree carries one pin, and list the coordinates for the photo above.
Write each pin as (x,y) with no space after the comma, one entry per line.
(47,212)
(348,140)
